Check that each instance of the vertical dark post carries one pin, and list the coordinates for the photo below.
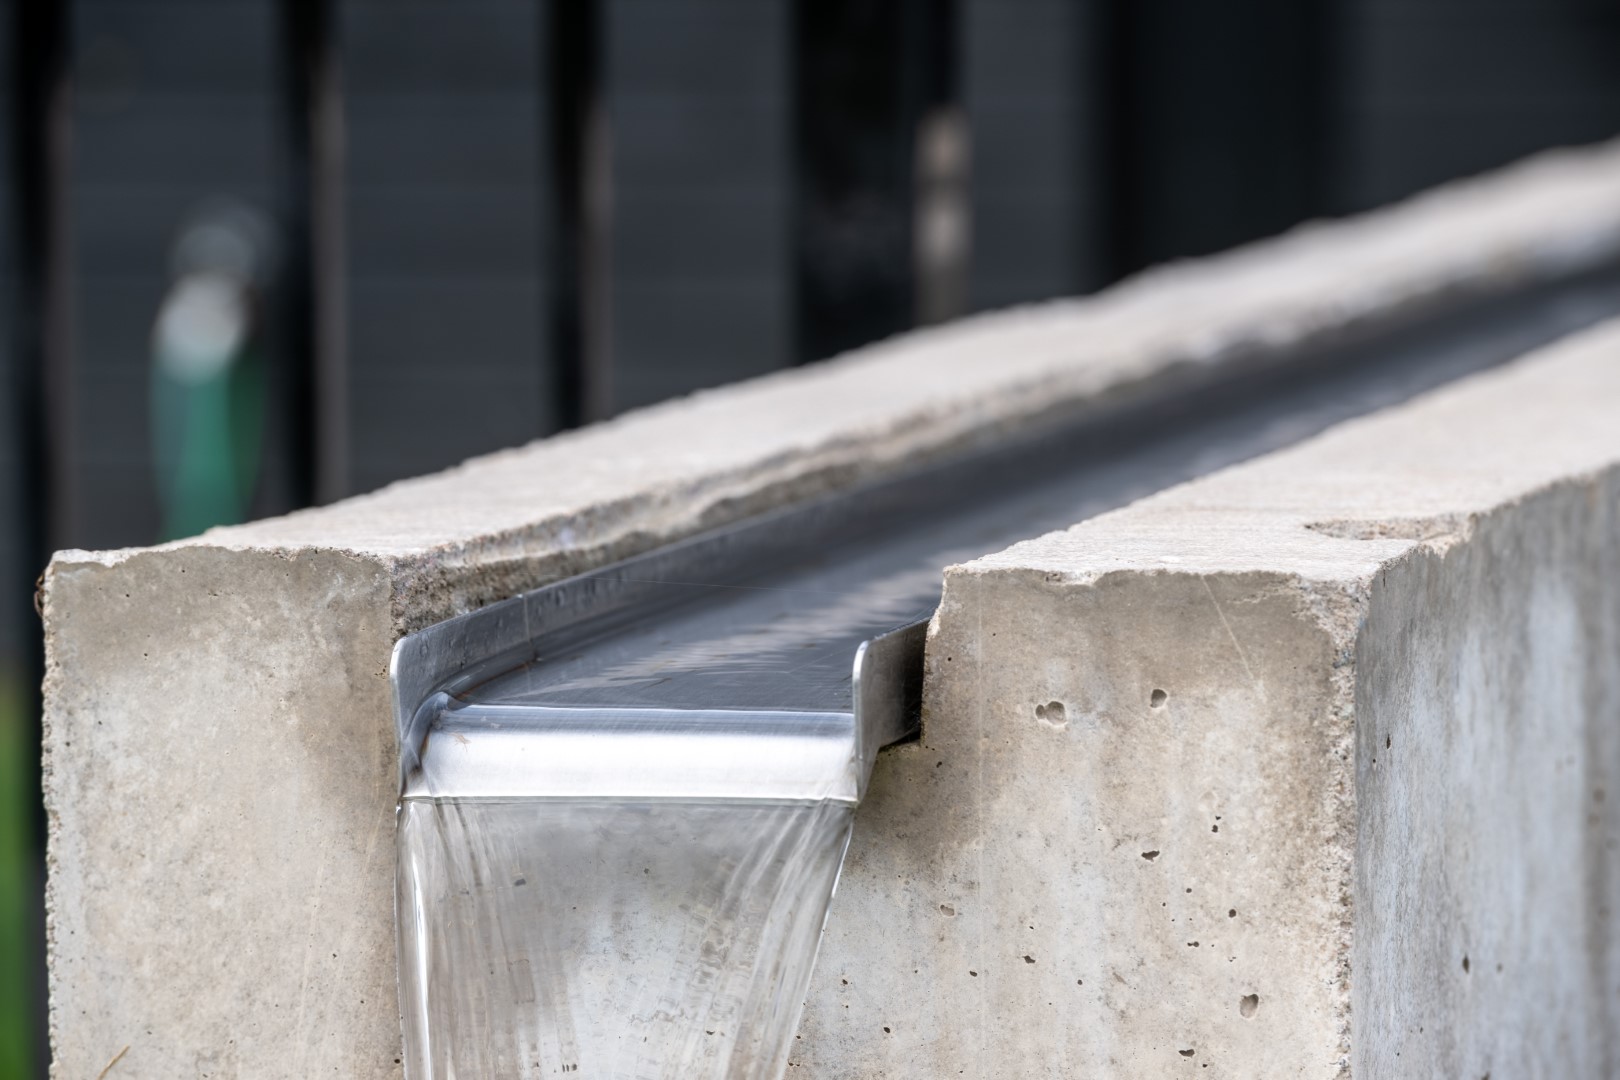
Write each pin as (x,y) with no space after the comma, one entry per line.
(1112,51)
(41,99)
(39,406)
(316,275)
(1030,90)
(941,219)
(1220,125)
(861,84)
(581,193)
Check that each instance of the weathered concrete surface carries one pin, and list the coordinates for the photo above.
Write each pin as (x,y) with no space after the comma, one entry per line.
(1306,767)
(222,796)
(1488,752)
(218,767)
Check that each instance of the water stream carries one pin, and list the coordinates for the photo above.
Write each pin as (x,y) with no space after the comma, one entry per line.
(664,931)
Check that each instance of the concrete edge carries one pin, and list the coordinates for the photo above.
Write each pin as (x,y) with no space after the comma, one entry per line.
(1426,477)
(512,520)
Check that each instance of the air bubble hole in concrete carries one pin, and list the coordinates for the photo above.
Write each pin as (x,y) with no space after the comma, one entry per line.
(1052,713)
(1248,1004)
(1157,699)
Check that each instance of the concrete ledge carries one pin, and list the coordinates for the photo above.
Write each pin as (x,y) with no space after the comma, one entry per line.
(508,521)
(1304,768)
(218,774)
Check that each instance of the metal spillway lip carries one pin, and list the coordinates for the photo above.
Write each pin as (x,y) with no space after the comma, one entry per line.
(471,724)
(480,752)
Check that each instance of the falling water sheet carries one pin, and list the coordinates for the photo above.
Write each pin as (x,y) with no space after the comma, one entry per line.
(665,931)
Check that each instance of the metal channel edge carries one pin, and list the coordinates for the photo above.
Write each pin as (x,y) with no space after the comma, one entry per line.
(434,664)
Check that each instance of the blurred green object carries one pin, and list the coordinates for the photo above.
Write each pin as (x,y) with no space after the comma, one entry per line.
(18,877)
(206,434)
(207,388)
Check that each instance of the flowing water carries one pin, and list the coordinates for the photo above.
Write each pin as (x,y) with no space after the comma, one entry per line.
(645,938)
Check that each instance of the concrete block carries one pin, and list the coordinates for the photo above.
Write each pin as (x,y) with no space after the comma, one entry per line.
(1303,769)
(219,772)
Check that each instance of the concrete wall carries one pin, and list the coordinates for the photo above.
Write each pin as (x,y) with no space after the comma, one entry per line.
(1301,769)
(219,768)
(222,794)
(1051,851)
(1487,750)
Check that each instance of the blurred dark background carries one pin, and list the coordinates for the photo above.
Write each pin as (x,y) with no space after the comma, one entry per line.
(259,254)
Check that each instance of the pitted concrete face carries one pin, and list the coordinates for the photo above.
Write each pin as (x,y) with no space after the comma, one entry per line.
(1319,798)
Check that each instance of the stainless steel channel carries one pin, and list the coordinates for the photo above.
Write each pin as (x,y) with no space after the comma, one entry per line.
(772,614)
